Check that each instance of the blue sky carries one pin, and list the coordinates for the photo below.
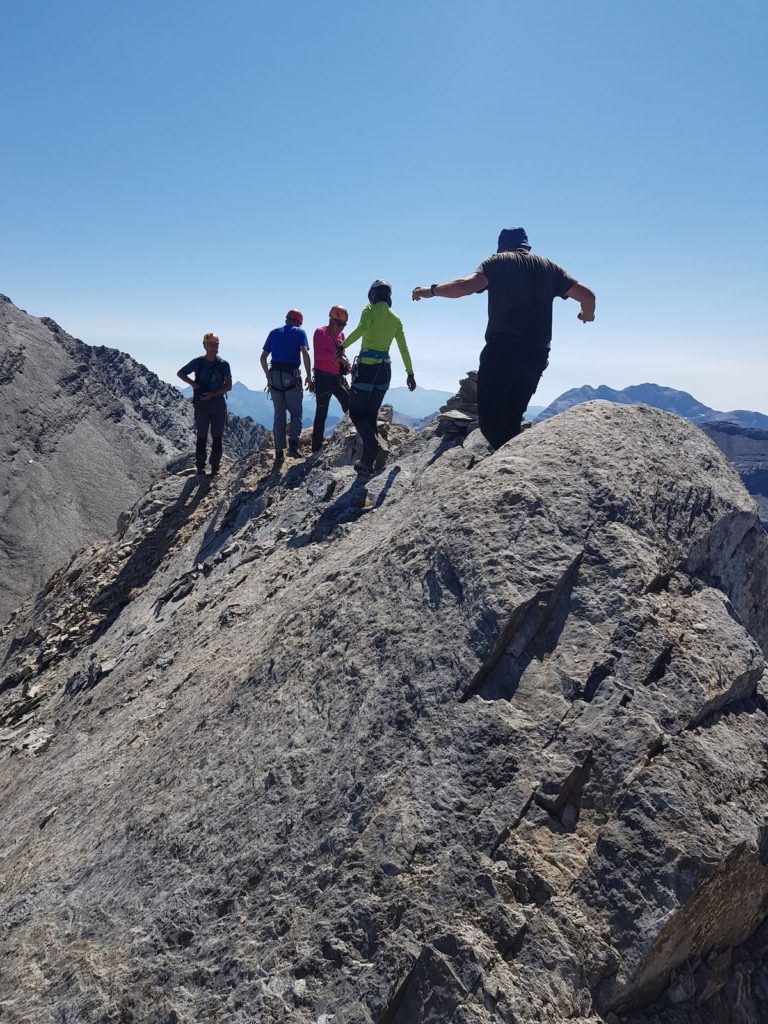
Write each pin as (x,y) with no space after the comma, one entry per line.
(172,168)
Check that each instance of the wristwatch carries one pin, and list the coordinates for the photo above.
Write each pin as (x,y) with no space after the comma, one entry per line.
(432,288)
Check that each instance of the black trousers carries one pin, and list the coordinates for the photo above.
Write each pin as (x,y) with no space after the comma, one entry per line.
(368,389)
(327,386)
(508,376)
(210,415)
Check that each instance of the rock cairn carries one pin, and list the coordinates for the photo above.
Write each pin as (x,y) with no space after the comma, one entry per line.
(458,417)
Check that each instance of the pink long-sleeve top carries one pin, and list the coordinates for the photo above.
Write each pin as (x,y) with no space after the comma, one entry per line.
(325,346)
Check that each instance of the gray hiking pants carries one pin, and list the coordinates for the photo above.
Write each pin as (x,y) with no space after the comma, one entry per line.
(286,394)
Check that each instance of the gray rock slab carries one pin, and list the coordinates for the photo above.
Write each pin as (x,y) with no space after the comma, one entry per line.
(481,739)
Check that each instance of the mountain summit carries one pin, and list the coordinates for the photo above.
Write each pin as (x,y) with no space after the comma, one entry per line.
(740,434)
(479,740)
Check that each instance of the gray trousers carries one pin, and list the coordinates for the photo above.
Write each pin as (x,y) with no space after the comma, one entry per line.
(285,402)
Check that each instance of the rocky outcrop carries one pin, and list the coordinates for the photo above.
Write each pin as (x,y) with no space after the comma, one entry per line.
(481,739)
(747,450)
(84,432)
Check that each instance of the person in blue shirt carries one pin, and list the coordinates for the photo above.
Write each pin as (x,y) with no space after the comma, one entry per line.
(287,346)
(212,380)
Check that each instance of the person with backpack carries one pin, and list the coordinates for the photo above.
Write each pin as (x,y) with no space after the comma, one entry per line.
(372,371)
(287,346)
(212,381)
(331,368)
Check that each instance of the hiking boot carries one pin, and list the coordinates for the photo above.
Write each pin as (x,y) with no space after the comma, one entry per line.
(380,458)
(363,468)
(294,450)
(279,456)
(214,470)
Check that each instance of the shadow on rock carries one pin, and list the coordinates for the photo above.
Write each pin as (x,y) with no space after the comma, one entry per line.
(141,565)
(348,507)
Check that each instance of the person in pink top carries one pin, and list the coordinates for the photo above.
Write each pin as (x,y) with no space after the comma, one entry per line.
(331,365)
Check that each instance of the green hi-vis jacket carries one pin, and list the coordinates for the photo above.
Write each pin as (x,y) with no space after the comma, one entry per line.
(378,328)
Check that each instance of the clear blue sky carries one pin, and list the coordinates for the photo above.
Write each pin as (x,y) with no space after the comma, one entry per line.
(171,168)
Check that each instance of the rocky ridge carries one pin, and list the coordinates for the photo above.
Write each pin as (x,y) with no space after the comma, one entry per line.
(85,430)
(480,739)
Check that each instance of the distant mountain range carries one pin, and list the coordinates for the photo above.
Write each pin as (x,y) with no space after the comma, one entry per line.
(410,407)
(669,399)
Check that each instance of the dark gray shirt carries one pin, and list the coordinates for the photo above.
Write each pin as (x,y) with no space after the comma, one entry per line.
(210,374)
(521,289)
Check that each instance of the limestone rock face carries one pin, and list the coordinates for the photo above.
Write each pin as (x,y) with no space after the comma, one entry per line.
(84,432)
(480,739)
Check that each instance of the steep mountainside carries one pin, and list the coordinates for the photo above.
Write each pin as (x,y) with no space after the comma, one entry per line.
(747,450)
(84,431)
(482,739)
(679,402)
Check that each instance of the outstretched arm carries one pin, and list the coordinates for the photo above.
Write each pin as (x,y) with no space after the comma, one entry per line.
(587,300)
(476,282)
(365,318)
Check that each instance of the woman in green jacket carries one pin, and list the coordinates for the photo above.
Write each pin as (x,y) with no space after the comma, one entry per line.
(378,328)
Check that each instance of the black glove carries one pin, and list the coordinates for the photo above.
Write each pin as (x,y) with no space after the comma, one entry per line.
(410,380)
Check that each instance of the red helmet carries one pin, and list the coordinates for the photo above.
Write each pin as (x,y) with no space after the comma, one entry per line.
(295,315)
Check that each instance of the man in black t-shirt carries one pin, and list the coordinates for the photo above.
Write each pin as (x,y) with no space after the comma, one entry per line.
(213,379)
(521,288)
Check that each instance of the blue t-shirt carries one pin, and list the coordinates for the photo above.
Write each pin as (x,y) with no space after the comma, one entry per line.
(285,344)
(210,374)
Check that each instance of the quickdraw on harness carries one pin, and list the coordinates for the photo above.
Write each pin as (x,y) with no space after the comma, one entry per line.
(277,375)
(344,364)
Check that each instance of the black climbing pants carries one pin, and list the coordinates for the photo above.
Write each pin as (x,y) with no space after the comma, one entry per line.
(210,415)
(369,386)
(508,376)
(327,386)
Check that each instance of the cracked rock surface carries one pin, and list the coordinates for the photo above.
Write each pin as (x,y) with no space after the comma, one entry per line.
(84,432)
(480,739)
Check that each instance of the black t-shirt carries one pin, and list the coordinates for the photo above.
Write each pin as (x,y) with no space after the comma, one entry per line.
(521,288)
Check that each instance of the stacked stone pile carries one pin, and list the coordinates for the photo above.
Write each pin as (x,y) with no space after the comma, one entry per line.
(458,417)
(480,739)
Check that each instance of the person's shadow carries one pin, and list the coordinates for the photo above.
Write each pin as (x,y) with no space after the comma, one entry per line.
(143,562)
(348,507)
